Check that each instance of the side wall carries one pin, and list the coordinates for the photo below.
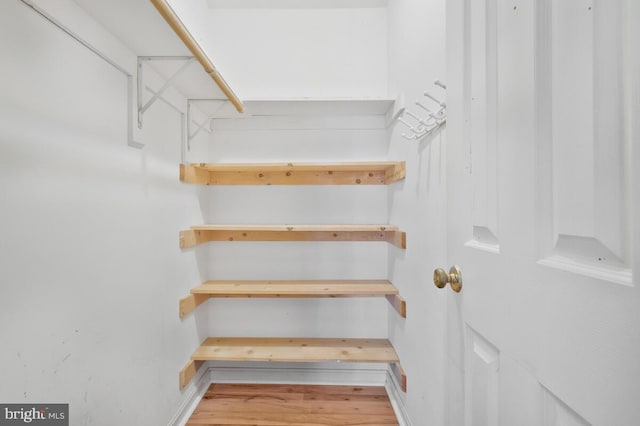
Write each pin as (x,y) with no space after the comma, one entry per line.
(416,60)
(89,260)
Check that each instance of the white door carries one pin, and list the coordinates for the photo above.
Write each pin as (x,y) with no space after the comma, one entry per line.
(544,212)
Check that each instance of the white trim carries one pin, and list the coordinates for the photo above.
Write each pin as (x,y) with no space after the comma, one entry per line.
(192,397)
(299,375)
(490,248)
(611,274)
(397,401)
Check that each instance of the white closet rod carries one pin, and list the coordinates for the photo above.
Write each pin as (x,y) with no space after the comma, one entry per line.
(178,27)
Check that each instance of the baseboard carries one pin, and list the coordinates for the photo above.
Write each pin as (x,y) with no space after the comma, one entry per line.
(192,396)
(296,374)
(397,398)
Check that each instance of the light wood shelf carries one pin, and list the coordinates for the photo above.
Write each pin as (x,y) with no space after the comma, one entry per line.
(295,350)
(292,288)
(276,349)
(371,173)
(205,233)
(295,288)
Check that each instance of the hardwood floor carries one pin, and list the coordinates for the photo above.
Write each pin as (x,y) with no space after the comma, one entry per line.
(289,405)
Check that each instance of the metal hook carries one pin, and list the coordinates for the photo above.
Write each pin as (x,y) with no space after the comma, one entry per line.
(426,125)
(434,99)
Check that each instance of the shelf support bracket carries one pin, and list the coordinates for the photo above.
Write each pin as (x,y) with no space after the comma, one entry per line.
(141,59)
(188,372)
(200,126)
(191,302)
(399,375)
(398,303)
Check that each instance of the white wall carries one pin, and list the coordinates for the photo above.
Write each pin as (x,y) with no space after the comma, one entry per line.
(289,139)
(90,266)
(418,205)
(298,53)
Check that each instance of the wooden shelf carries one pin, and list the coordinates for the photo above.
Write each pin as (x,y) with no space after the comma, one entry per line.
(374,173)
(205,233)
(292,350)
(293,288)
(295,350)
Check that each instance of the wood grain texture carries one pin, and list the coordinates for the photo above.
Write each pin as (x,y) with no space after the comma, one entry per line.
(398,303)
(370,173)
(400,375)
(188,372)
(394,174)
(190,303)
(296,288)
(205,233)
(292,289)
(299,405)
(295,350)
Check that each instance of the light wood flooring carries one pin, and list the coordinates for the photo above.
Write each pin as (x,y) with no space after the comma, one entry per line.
(288,405)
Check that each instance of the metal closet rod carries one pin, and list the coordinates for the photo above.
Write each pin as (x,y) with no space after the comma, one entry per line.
(178,27)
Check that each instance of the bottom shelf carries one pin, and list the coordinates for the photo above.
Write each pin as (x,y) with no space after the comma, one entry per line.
(293,350)
(294,404)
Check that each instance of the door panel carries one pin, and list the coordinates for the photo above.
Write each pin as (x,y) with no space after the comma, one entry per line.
(543,194)
(483,367)
(583,175)
(482,78)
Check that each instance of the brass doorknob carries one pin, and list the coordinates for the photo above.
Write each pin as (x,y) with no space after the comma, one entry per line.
(453,278)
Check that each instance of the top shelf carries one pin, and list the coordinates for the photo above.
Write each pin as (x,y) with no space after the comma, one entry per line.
(363,173)
(309,107)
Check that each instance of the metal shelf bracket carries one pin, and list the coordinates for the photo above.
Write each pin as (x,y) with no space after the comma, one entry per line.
(191,124)
(200,126)
(204,125)
(188,60)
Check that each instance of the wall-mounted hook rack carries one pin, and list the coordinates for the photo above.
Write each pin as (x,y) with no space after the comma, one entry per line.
(436,116)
